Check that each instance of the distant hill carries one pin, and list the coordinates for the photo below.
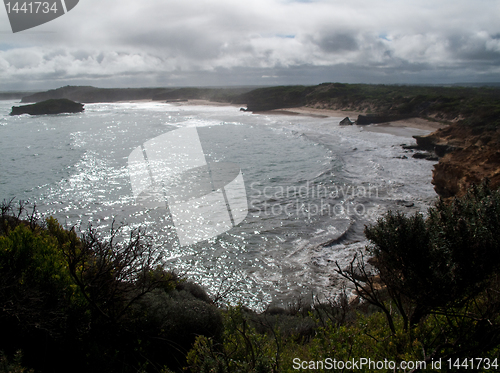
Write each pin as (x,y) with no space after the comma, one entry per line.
(88,94)
(487,84)
(431,102)
(13,95)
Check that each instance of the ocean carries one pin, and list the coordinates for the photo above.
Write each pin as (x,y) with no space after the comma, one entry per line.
(311,186)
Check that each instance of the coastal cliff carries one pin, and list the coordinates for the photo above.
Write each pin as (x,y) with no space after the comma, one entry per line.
(468,155)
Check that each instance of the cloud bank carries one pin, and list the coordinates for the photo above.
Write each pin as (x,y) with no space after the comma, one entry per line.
(125,43)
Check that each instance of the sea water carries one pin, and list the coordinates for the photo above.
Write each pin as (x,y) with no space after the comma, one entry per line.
(311,188)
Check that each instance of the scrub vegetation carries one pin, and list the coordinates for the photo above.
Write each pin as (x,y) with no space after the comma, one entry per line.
(472,105)
(427,290)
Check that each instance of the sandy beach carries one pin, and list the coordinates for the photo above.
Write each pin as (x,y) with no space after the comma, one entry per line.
(417,123)
(396,127)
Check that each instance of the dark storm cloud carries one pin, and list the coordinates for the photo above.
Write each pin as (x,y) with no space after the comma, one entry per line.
(478,47)
(333,43)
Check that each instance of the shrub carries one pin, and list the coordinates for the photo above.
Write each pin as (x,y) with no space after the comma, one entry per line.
(105,302)
(446,264)
(14,366)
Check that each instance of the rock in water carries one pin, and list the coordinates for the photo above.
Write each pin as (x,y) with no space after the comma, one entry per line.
(53,106)
(346,122)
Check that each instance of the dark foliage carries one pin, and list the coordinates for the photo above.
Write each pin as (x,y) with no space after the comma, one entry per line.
(445,264)
(93,303)
(474,105)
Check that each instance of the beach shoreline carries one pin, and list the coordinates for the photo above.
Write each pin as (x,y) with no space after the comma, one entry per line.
(415,123)
(388,127)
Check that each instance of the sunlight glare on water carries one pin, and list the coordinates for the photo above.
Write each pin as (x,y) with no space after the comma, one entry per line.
(311,187)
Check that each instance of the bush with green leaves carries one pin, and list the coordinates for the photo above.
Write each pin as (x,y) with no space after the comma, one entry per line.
(248,348)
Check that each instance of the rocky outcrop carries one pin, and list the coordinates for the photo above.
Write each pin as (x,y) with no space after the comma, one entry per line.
(427,142)
(437,144)
(457,170)
(430,156)
(467,156)
(346,122)
(434,146)
(53,106)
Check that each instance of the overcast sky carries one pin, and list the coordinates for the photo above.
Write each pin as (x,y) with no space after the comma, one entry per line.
(139,43)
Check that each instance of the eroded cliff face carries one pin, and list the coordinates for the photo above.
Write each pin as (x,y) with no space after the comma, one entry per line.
(468,155)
